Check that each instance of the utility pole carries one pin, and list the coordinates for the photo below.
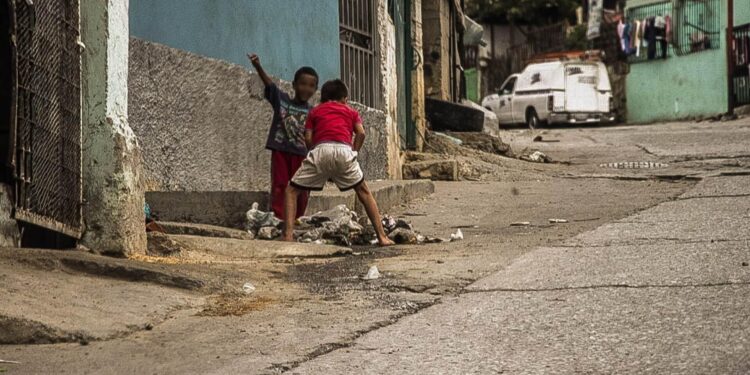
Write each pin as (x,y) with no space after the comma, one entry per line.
(730,55)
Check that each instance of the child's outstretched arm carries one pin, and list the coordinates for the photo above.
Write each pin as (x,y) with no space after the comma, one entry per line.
(255,60)
(359,136)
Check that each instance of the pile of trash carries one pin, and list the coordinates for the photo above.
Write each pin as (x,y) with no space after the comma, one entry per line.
(262,225)
(337,226)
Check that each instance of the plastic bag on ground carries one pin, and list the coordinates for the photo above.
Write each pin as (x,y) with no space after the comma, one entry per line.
(257,219)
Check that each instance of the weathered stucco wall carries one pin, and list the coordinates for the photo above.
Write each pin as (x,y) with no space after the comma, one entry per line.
(286,34)
(417,76)
(112,174)
(389,88)
(202,123)
(436,45)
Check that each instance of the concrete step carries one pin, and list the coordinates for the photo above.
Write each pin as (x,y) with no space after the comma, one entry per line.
(204,230)
(227,208)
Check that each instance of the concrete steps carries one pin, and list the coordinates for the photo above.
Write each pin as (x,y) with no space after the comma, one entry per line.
(227,208)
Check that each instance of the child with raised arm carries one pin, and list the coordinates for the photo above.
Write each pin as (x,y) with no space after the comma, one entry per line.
(335,134)
(286,138)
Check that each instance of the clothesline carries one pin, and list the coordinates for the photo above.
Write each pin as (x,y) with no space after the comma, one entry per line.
(636,35)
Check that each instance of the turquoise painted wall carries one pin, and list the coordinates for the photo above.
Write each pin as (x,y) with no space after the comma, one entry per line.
(741,12)
(286,34)
(682,86)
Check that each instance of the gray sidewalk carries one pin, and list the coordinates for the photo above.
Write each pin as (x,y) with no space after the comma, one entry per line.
(662,291)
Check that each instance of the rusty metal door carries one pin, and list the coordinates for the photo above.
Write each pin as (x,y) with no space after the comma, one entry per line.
(46,147)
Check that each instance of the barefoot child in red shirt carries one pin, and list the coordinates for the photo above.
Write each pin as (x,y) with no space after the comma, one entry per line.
(286,138)
(329,130)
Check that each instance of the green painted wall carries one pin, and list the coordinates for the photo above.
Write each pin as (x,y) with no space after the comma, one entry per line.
(286,34)
(741,12)
(682,86)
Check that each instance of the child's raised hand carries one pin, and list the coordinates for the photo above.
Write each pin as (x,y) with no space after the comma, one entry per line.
(254,59)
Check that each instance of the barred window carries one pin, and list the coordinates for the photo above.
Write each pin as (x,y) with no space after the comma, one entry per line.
(698,26)
(691,26)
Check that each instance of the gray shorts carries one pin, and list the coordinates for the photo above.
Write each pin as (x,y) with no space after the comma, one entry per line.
(329,161)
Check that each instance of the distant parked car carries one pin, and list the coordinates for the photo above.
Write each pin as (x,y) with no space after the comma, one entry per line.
(554,92)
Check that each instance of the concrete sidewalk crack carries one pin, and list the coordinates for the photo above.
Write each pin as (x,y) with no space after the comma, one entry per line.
(650,241)
(326,348)
(712,157)
(714,196)
(646,150)
(607,286)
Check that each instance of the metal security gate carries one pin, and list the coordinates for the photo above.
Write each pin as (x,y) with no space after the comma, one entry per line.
(741,60)
(46,136)
(357,41)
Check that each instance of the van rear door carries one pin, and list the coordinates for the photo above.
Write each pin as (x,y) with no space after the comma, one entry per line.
(581,87)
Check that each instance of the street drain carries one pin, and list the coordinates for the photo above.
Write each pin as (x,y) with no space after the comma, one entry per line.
(634,165)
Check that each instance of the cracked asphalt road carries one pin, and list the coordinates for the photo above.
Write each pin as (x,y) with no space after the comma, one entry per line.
(660,291)
(647,276)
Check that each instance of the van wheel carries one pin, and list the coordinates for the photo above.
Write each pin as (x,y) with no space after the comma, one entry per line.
(532,120)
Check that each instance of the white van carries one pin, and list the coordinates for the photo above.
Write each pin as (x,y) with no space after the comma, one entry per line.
(554,92)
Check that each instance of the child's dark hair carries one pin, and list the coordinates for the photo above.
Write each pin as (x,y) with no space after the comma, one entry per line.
(306,70)
(333,90)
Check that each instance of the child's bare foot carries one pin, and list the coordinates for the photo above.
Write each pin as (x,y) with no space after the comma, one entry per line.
(385,241)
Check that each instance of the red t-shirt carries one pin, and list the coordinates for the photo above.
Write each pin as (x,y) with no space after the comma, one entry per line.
(332,122)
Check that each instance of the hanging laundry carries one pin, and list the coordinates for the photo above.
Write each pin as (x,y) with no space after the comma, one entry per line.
(620,32)
(638,37)
(650,36)
(627,36)
(660,24)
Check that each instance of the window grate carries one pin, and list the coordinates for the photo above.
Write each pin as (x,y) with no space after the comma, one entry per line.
(357,44)
(692,26)
(48,115)
(698,26)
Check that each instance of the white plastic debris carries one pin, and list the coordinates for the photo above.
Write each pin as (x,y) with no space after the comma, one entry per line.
(268,233)
(536,157)
(448,137)
(248,288)
(257,219)
(558,221)
(372,273)
(458,236)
